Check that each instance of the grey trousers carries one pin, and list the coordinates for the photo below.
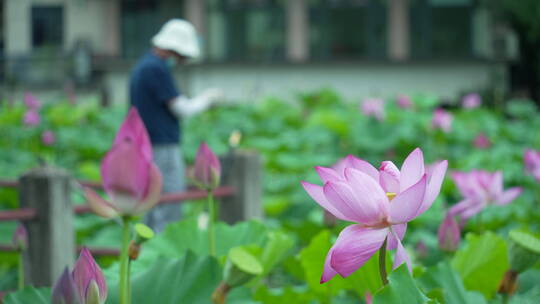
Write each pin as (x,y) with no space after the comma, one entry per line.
(169,159)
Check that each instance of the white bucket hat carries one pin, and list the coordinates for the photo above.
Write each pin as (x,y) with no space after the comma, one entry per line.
(179,36)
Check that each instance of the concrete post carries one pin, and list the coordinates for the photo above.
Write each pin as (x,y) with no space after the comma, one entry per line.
(196,14)
(111,28)
(297,31)
(242,170)
(51,241)
(398,30)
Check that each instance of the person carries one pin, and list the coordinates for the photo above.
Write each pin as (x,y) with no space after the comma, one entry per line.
(161,106)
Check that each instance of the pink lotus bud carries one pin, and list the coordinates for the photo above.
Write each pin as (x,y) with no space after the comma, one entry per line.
(471,101)
(481,141)
(89,280)
(207,172)
(403,101)
(31,118)
(368,297)
(373,107)
(531,158)
(20,237)
(65,291)
(442,120)
(130,178)
(48,138)
(31,102)
(449,234)
(422,250)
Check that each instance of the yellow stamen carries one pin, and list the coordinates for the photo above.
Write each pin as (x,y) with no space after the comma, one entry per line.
(391,195)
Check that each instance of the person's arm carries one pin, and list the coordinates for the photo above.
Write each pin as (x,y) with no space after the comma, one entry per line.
(182,106)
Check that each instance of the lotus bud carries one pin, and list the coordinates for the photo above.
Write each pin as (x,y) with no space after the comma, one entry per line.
(471,101)
(373,107)
(442,120)
(65,290)
(403,101)
(48,138)
(20,238)
(31,118)
(92,294)
(531,159)
(31,102)
(481,141)
(422,250)
(130,178)
(207,172)
(449,234)
(368,297)
(89,280)
(234,139)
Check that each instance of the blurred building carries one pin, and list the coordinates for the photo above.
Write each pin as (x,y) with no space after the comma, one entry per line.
(259,47)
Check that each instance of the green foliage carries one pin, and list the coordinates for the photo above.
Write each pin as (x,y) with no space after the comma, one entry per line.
(401,289)
(444,280)
(29,295)
(187,235)
(482,262)
(189,279)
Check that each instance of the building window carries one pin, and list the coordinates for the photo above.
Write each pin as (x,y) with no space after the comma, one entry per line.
(441,28)
(246,30)
(347,29)
(47,27)
(142,19)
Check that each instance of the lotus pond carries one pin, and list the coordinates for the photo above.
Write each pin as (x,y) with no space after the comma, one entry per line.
(455,221)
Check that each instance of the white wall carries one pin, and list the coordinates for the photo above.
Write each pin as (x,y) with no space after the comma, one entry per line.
(251,82)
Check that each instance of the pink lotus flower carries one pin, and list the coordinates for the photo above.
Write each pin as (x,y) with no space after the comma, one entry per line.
(31,118)
(403,101)
(31,102)
(449,234)
(207,169)
(20,237)
(531,159)
(373,107)
(89,279)
(442,120)
(65,291)
(130,178)
(481,141)
(471,101)
(381,202)
(479,189)
(48,138)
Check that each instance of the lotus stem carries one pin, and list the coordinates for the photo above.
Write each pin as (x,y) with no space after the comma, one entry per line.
(382,263)
(211,219)
(21,270)
(220,293)
(124,262)
(129,281)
